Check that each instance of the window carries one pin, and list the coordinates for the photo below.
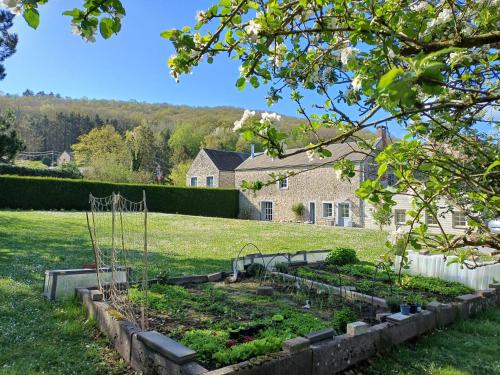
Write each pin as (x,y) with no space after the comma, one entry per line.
(327,209)
(399,217)
(459,219)
(344,210)
(194,181)
(283,183)
(429,219)
(210,180)
(267,210)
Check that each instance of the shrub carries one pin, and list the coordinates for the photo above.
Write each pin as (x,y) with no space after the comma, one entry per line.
(255,270)
(382,215)
(282,267)
(341,256)
(16,170)
(55,194)
(298,209)
(342,317)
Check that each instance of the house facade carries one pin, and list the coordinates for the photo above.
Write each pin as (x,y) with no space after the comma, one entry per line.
(214,168)
(325,197)
(312,184)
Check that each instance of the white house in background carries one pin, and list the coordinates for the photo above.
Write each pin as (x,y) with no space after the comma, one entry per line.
(64,158)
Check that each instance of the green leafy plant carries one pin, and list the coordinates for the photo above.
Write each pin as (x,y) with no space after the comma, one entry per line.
(341,256)
(298,209)
(281,267)
(342,317)
(255,270)
(393,303)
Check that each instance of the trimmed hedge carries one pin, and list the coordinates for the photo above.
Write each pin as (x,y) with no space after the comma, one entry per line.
(24,171)
(40,193)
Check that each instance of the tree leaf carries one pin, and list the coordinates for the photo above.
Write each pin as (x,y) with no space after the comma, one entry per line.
(388,78)
(106,27)
(32,17)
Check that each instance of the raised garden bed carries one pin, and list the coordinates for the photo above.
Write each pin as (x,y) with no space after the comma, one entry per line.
(383,282)
(227,323)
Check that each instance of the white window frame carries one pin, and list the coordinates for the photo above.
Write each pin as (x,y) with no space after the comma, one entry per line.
(453,221)
(285,180)
(427,217)
(263,213)
(396,222)
(348,209)
(323,209)
(213,181)
(191,181)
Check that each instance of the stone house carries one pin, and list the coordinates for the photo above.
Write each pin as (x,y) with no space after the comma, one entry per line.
(314,183)
(214,168)
(64,158)
(327,200)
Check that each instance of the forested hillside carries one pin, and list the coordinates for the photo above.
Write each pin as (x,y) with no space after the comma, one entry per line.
(145,137)
(52,123)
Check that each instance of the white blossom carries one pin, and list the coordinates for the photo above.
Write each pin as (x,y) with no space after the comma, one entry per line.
(338,174)
(200,16)
(76,30)
(445,16)
(253,29)
(310,155)
(356,82)
(347,53)
(420,6)
(269,118)
(246,115)
(395,236)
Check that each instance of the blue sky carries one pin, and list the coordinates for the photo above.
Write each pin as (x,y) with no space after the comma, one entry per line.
(130,65)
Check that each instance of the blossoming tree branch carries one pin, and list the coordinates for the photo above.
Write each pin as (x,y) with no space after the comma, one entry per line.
(428,67)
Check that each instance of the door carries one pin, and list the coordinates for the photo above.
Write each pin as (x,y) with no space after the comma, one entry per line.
(344,214)
(267,210)
(312,212)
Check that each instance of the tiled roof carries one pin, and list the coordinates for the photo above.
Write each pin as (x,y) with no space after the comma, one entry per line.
(226,160)
(349,150)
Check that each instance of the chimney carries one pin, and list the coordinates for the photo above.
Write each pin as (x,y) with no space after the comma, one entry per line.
(252,151)
(382,134)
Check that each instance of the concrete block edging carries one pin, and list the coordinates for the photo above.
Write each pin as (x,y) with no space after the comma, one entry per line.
(156,354)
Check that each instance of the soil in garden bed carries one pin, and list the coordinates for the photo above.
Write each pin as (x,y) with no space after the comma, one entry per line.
(366,278)
(227,323)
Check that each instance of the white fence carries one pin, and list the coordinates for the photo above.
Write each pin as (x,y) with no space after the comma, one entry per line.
(435,266)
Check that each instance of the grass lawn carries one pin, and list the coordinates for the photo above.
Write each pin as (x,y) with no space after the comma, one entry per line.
(465,348)
(39,337)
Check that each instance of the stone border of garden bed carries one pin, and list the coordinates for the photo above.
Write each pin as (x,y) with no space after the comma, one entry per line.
(318,353)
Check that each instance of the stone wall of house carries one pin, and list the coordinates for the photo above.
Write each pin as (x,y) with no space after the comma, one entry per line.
(201,168)
(226,179)
(319,185)
(403,202)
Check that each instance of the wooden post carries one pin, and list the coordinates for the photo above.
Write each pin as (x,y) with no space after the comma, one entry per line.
(145,270)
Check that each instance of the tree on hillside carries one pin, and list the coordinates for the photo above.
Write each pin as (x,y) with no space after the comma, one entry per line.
(178,174)
(10,144)
(221,139)
(8,41)
(185,142)
(141,144)
(100,143)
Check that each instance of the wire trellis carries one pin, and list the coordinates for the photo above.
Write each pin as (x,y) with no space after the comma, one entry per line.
(119,234)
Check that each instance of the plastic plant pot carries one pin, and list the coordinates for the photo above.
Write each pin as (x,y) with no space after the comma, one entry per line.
(405,309)
(413,308)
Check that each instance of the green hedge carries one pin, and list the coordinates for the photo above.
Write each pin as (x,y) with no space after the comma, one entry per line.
(40,193)
(24,171)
